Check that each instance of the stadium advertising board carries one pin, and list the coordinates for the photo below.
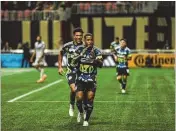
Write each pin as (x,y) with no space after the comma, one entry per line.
(138,60)
(152,60)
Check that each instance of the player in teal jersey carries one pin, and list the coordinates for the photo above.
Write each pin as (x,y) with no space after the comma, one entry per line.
(87,59)
(123,54)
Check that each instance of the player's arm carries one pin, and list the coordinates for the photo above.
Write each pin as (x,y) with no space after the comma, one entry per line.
(128,56)
(99,59)
(60,58)
(32,57)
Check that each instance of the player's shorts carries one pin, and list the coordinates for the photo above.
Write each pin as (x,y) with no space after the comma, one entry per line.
(85,86)
(41,63)
(71,78)
(122,71)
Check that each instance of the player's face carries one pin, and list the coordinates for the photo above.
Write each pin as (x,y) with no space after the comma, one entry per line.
(38,38)
(89,41)
(78,37)
(123,43)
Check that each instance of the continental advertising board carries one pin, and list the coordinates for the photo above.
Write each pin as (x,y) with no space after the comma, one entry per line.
(154,60)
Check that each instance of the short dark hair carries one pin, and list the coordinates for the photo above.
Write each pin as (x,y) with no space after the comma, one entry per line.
(117,38)
(87,34)
(78,29)
(124,40)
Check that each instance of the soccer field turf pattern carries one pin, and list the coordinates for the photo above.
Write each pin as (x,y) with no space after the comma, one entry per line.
(148,105)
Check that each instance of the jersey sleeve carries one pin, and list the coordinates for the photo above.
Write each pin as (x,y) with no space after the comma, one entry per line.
(98,54)
(64,49)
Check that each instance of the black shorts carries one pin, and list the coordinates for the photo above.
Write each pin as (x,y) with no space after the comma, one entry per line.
(71,77)
(122,71)
(85,86)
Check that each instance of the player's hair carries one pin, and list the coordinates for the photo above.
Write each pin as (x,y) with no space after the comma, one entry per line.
(124,40)
(39,36)
(87,34)
(78,29)
(117,38)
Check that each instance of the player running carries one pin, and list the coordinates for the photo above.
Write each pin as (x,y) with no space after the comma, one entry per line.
(123,54)
(87,60)
(69,50)
(40,58)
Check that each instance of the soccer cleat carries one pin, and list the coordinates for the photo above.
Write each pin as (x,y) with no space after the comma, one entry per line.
(123,91)
(40,81)
(85,123)
(79,117)
(71,110)
(44,77)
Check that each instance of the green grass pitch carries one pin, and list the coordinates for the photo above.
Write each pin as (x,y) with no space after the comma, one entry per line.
(148,105)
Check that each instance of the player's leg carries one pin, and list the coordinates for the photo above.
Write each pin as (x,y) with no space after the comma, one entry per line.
(71,77)
(124,82)
(90,99)
(43,76)
(79,99)
(72,99)
(125,75)
(119,78)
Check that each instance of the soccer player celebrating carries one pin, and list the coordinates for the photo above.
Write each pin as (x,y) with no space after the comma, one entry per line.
(122,53)
(69,50)
(40,58)
(87,60)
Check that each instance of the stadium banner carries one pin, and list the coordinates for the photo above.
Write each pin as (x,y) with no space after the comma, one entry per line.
(142,32)
(11,60)
(152,60)
(138,60)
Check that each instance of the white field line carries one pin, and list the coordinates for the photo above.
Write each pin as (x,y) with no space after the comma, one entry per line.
(13,72)
(37,90)
(100,102)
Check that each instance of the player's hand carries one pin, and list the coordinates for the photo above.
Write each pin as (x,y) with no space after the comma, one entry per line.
(61,71)
(31,60)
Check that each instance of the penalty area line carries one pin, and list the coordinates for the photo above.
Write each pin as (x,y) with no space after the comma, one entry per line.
(33,91)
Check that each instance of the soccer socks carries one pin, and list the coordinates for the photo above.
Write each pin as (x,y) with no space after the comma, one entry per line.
(41,72)
(121,82)
(89,110)
(72,98)
(79,105)
(124,84)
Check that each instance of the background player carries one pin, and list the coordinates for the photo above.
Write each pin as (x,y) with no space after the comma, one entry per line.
(40,58)
(69,50)
(122,53)
(114,44)
(88,59)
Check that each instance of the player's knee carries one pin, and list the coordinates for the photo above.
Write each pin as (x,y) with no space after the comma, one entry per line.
(119,78)
(79,97)
(72,87)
